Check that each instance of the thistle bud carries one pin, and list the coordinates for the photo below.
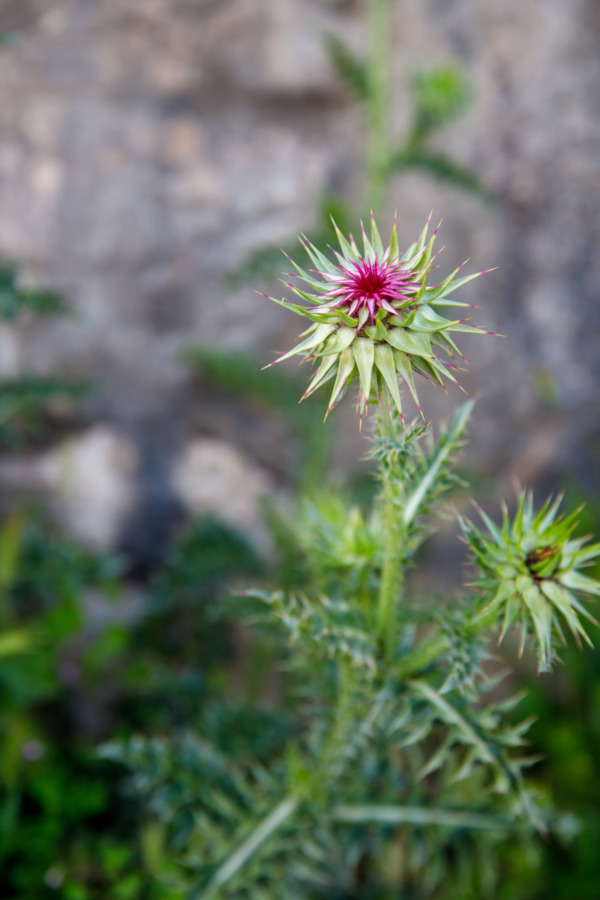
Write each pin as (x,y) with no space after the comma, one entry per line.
(531,572)
(375,318)
(544,562)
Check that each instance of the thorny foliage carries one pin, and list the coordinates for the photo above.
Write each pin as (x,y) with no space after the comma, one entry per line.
(399,771)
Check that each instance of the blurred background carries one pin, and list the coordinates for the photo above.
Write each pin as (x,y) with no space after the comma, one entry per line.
(153,158)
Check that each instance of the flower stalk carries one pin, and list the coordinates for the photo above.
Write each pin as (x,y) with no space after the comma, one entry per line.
(378,75)
(391,576)
(390,587)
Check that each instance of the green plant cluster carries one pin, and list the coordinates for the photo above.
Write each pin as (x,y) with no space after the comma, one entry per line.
(67,681)
(26,399)
(345,748)
(402,766)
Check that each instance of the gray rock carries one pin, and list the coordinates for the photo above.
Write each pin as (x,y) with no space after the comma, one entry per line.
(90,481)
(214,478)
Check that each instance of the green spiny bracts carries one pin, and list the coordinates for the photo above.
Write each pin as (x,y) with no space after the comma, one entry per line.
(374,316)
(530,570)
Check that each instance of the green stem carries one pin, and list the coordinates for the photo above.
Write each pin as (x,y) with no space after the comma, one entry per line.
(329,760)
(390,587)
(420,815)
(421,657)
(260,834)
(378,101)
(391,575)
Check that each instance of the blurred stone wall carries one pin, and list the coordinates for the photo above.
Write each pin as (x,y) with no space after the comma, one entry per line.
(146,148)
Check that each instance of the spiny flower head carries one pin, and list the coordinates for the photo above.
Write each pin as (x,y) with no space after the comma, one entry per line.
(530,568)
(368,284)
(375,317)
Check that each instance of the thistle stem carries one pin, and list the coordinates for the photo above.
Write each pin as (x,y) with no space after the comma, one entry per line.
(391,576)
(378,101)
(390,587)
(239,857)
(343,711)
(420,815)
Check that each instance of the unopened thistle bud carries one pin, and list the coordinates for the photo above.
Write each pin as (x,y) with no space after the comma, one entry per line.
(375,317)
(531,571)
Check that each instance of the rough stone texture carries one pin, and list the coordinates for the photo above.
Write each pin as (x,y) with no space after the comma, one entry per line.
(90,480)
(213,478)
(147,148)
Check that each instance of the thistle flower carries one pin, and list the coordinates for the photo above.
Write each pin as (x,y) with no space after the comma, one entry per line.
(374,316)
(531,569)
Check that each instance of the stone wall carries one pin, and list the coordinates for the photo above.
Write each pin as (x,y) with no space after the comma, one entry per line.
(146,148)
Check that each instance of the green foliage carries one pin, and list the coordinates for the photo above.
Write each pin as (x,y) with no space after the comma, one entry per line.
(63,822)
(400,747)
(351,70)
(441,167)
(49,785)
(340,544)
(16,300)
(391,759)
(26,399)
(440,94)
(419,476)
(567,733)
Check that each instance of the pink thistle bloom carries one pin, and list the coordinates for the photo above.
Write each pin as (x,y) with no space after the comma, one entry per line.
(373,316)
(372,284)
